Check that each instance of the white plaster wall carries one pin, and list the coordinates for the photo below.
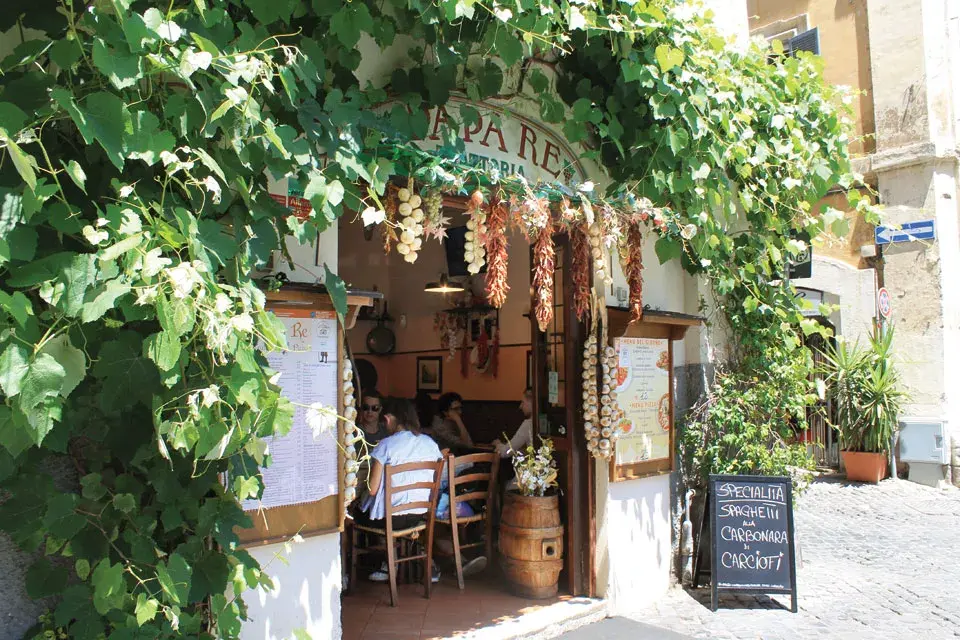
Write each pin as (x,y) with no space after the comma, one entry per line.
(306,592)
(308,260)
(856,290)
(638,543)
(663,284)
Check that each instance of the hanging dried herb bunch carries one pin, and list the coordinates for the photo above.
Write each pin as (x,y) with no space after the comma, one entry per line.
(544,260)
(631,257)
(497,286)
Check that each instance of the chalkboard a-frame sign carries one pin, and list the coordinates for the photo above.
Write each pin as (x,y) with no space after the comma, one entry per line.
(752,544)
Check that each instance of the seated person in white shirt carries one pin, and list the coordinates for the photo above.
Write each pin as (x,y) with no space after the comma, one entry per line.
(524,434)
(404,446)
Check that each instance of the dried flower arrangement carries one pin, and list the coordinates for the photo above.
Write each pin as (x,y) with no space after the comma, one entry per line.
(536,469)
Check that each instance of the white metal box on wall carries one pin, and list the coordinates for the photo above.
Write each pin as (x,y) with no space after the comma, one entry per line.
(923,441)
(925,447)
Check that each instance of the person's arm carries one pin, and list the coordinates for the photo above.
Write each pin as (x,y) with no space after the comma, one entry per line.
(523,436)
(463,435)
(376,476)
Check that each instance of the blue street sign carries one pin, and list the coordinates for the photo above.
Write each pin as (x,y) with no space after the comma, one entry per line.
(908,232)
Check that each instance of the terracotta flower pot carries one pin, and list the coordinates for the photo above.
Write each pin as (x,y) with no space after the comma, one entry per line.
(865,467)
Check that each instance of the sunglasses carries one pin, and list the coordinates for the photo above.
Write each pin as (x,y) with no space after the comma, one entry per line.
(370,407)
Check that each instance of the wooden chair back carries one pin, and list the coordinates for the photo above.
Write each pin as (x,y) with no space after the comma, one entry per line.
(488,478)
(391,490)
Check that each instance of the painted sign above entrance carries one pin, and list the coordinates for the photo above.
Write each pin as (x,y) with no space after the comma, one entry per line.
(498,137)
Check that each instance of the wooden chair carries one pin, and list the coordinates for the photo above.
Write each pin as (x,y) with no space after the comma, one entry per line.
(392,539)
(486,493)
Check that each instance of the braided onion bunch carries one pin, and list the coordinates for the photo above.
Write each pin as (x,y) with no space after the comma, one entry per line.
(591,406)
(411,223)
(351,434)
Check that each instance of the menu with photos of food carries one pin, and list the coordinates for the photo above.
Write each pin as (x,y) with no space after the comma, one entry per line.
(643,392)
(303,468)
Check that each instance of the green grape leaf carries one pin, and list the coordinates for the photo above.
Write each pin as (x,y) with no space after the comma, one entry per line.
(146,609)
(76,173)
(103,299)
(122,70)
(164,349)
(667,249)
(102,118)
(337,290)
(72,360)
(109,586)
(507,46)
(14,363)
(175,578)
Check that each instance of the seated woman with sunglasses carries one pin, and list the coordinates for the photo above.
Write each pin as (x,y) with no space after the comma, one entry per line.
(406,444)
(371,417)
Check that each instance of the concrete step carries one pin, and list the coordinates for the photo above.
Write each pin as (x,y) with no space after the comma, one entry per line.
(622,629)
(543,624)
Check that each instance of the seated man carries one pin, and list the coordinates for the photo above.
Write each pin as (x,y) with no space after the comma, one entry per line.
(448,428)
(524,434)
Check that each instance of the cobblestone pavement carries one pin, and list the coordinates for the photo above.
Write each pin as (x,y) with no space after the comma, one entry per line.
(874,561)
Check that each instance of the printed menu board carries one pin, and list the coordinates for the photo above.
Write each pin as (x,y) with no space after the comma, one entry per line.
(303,468)
(643,392)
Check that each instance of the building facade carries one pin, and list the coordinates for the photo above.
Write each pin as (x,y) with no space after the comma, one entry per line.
(902,57)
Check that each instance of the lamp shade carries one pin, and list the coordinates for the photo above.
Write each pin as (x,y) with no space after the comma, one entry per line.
(443,286)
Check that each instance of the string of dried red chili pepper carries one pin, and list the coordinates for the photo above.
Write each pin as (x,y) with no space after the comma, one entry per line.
(497,286)
(580,270)
(632,255)
(544,257)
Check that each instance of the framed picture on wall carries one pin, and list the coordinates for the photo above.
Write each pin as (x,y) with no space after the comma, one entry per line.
(430,374)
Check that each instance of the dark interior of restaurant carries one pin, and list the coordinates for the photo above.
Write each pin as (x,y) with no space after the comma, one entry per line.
(423,340)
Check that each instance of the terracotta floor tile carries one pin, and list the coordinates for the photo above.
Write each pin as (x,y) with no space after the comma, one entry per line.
(395,623)
(389,635)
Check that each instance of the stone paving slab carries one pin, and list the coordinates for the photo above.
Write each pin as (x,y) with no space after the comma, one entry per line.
(874,561)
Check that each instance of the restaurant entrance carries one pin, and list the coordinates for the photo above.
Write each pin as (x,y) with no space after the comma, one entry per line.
(424,346)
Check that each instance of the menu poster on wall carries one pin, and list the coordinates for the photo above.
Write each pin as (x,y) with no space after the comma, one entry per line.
(643,392)
(303,469)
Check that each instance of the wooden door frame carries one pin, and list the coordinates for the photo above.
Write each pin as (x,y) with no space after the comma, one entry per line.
(580,496)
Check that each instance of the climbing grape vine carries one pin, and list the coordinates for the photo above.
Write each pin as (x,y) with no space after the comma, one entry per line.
(135,141)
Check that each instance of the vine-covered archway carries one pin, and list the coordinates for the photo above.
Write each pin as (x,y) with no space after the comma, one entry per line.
(135,213)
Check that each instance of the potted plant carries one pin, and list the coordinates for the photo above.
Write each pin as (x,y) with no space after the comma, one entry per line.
(867,398)
(531,535)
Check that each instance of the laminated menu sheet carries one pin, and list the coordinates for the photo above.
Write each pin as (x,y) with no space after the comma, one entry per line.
(303,468)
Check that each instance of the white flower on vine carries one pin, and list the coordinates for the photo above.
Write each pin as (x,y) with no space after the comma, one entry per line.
(502,13)
(155,262)
(222,303)
(94,236)
(148,295)
(372,215)
(242,323)
(213,187)
(210,396)
(185,278)
(321,418)
(688,231)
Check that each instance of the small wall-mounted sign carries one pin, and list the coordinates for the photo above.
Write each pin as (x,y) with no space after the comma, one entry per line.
(908,232)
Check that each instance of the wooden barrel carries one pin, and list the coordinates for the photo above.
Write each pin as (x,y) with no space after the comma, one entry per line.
(531,544)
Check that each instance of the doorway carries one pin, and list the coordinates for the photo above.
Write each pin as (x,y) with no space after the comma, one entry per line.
(491,393)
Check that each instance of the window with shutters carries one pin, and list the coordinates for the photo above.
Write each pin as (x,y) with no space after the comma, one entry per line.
(794,34)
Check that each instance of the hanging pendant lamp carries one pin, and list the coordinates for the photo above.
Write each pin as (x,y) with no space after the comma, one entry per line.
(443,286)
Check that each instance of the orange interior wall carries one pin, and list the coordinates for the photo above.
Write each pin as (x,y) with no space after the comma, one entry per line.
(397,375)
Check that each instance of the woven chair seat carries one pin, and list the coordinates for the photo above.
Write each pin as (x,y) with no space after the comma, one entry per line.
(467,520)
(412,532)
